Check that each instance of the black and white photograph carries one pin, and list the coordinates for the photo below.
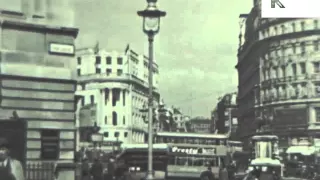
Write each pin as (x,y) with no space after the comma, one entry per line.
(159,90)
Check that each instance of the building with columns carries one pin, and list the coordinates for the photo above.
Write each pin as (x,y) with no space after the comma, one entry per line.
(117,82)
(283,95)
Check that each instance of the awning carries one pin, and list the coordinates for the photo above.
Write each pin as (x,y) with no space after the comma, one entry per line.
(304,150)
(265,162)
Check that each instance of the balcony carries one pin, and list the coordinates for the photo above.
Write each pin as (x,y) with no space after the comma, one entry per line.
(292,79)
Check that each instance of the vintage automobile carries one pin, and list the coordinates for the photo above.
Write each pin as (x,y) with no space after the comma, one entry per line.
(264,168)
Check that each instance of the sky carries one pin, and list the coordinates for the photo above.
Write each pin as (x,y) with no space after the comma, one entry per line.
(195,49)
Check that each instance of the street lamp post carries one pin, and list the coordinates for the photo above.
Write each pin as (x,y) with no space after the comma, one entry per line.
(151,26)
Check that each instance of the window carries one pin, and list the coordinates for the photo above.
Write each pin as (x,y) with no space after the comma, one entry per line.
(119,72)
(79,72)
(125,134)
(124,98)
(294,50)
(50,147)
(119,60)
(98,70)
(92,99)
(303,48)
(116,134)
(106,134)
(303,68)
(316,67)
(316,45)
(105,120)
(82,102)
(79,60)
(302,26)
(108,60)
(109,71)
(106,95)
(114,118)
(283,29)
(293,27)
(294,69)
(315,24)
(124,120)
(275,30)
(98,59)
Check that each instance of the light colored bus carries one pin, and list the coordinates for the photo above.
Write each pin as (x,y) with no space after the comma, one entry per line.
(191,153)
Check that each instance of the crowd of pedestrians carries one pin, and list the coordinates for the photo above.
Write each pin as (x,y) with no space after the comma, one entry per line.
(97,170)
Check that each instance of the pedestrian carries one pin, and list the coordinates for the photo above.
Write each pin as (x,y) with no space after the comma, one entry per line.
(208,174)
(97,170)
(223,173)
(111,168)
(10,168)
(85,170)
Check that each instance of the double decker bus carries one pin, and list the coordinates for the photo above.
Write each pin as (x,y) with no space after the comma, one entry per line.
(235,146)
(132,162)
(191,153)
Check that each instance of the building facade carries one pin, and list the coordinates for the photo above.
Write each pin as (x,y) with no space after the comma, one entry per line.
(37,82)
(285,56)
(118,83)
(200,125)
(227,117)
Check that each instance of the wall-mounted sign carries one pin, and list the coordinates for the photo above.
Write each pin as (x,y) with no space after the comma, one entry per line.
(211,151)
(57,48)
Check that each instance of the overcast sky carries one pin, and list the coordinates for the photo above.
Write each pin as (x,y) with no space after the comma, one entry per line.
(195,49)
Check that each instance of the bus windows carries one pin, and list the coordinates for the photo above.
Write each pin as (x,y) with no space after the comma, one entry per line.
(197,141)
(172,160)
(182,161)
(198,161)
(190,141)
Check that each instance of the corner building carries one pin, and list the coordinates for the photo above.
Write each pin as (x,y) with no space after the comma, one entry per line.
(287,96)
(37,55)
(117,82)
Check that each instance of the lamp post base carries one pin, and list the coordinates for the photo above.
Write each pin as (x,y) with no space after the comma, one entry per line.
(150,176)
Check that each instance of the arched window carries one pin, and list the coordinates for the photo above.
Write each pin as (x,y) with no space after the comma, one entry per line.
(114,118)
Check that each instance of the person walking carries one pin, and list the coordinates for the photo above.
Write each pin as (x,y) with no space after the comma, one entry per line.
(97,170)
(208,174)
(223,172)
(85,170)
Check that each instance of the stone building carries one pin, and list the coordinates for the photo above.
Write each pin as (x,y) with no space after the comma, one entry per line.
(117,82)
(227,116)
(37,56)
(284,91)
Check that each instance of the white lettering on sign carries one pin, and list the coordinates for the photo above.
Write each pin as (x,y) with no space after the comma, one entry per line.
(194,150)
(61,48)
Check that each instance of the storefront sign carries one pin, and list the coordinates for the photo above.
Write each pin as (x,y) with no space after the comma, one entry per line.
(195,150)
(58,48)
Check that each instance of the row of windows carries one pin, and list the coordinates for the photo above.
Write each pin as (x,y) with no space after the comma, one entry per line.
(116,134)
(295,26)
(293,70)
(293,48)
(291,91)
(184,140)
(195,161)
(115,119)
(108,60)
(116,93)
(98,71)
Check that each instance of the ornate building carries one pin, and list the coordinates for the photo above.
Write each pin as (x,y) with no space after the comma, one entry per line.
(117,84)
(285,90)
